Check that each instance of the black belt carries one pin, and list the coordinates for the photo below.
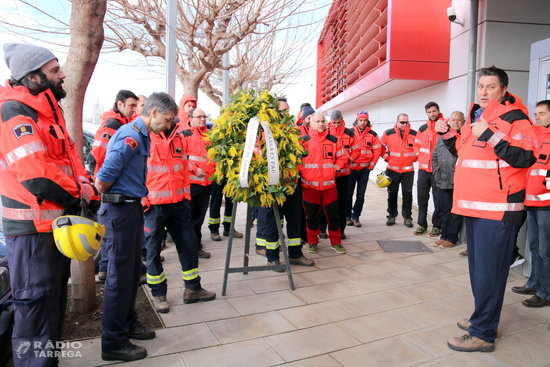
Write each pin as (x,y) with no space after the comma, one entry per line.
(118,199)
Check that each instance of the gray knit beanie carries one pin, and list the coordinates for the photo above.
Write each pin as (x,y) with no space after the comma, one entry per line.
(23,58)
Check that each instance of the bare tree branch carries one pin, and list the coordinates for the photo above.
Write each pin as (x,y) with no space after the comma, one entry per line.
(206,30)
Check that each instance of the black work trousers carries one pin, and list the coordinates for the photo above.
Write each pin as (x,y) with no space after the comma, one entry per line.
(214,219)
(405,179)
(200,196)
(342,189)
(424,184)
(176,218)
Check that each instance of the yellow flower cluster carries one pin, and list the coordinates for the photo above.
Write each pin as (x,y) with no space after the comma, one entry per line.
(227,140)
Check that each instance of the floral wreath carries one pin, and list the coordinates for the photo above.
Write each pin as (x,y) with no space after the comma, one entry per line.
(227,145)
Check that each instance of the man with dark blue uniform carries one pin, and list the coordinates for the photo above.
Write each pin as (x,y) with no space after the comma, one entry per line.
(121,180)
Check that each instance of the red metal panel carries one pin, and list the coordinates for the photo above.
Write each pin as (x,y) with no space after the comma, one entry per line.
(420,30)
(407,39)
(419,70)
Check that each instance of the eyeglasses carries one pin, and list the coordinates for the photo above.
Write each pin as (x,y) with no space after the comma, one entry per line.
(199,117)
(403,122)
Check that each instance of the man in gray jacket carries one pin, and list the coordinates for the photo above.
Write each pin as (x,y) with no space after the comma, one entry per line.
(443,166)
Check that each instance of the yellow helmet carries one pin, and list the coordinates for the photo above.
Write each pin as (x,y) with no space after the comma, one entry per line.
(77,237)
(382,180)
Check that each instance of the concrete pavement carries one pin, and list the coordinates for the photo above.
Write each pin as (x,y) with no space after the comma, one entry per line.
(365,308)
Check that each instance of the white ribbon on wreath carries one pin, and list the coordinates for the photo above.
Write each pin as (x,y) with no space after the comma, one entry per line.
(272,153)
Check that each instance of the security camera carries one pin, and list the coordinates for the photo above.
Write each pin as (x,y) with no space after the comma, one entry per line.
(451,14)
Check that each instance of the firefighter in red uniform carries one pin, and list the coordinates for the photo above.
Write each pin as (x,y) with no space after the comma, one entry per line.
(200,168)
(495,149)
(299,118)
(325,157)
(345,135)
(537,203)
(168,206)
(424,146)
(122,112)
(399,153)
(41,178)
(306,119)
(187,103)
(367,149)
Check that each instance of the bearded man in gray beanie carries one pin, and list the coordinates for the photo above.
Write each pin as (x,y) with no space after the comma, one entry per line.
(41,178)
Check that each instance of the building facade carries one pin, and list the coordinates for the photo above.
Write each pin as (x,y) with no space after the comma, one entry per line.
(393,56)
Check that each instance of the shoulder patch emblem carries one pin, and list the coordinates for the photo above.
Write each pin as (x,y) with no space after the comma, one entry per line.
(131,142)
(107,136)
(22,130)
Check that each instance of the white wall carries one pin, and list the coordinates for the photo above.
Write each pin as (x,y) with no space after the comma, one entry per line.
(505,33)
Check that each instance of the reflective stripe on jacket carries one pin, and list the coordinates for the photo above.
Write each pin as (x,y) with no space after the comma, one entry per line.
(368,147)
(491,170)
(399,148)
(39,166)
(425,144)
(536,193)
(345,135)
(326,155)
(197,151)
(167,167)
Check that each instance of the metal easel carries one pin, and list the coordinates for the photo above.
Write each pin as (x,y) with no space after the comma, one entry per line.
(246,268)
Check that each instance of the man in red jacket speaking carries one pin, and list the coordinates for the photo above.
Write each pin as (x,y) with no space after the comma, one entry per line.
(495,149)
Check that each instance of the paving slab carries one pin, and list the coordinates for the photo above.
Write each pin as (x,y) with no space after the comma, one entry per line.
(365,308)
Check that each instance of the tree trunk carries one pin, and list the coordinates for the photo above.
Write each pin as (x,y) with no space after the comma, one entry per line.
(188,81)
(86,41)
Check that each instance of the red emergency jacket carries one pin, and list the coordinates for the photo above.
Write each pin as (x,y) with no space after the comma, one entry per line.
(491,171)
(369,146)
(197,149)
(40,169)
(536,194)
(399,148)
(425,144)
(167,167)
(345,135)
(112,120)
(182,115)
(326,155)
(304,130)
